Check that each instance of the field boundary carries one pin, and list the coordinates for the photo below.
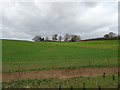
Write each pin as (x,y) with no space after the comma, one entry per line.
(59,73)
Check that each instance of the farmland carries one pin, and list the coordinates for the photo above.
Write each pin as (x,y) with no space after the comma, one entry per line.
(22,56)
(25,55)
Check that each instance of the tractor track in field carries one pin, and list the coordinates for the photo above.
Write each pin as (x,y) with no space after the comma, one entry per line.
(59,73)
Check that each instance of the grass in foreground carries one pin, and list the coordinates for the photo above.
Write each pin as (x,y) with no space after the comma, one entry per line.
(76,82)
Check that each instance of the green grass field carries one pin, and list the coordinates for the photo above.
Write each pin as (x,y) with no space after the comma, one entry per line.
(25,55)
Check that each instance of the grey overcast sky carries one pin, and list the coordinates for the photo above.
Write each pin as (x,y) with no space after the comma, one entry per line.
(24,20)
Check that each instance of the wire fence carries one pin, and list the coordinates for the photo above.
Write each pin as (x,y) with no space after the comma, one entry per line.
(100,87)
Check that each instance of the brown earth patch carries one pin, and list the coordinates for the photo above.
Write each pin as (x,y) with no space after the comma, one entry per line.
(59,73)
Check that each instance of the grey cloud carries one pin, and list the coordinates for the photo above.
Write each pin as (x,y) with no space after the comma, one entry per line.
(24,20)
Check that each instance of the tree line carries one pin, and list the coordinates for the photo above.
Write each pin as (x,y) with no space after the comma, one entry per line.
(73,38)
(56,37)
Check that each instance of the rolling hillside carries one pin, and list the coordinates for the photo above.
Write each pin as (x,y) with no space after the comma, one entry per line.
(26,55)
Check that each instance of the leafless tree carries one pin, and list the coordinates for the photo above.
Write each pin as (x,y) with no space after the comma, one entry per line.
(46,38)
(60,38)
(110,35)
(54,37)
(36,38)
(75,38)
(67,37)
(106,36)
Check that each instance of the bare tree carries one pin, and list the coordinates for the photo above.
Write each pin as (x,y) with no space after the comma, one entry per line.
(106,36)
(46,38)
(54,37)
(42,39)
(78,38)
(66,37)
(37,38)
(75,38)
(110,35)
(60,38)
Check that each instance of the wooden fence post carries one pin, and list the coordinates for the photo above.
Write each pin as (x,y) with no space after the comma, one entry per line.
(84,86)
(59,87)
(113,77)
(99,88)
(103,75)
(71,87)
(118,87)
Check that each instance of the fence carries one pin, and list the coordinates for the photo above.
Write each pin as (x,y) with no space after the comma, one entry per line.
(99,86)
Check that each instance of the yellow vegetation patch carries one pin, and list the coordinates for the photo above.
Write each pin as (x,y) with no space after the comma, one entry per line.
(101,46)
